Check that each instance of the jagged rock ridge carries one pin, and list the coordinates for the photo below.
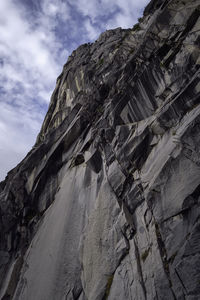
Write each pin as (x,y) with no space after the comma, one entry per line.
(106,204)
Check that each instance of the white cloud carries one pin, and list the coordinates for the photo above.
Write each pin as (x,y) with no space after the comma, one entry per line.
(129,12)
(119,13)
(17,129)
(91,31)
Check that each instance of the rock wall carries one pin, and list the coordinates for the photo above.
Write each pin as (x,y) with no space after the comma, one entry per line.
(106,204)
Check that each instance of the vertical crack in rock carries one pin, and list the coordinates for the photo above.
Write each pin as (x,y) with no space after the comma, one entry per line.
(163,254)
(137,256)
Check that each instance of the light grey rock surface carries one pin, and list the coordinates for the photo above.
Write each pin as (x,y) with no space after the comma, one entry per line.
(106,204)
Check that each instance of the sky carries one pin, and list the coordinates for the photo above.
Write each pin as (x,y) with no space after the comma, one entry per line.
(36,38)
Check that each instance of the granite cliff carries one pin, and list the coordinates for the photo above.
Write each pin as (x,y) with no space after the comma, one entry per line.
(107,203)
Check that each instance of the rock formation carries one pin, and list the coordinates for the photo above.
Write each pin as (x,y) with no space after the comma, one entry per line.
(106,204)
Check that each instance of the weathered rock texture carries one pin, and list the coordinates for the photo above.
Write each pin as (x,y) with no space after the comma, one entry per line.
(106,204)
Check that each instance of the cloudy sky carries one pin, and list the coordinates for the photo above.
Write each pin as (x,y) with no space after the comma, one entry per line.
(36,37)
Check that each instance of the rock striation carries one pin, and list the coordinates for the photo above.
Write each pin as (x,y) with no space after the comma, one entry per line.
(107,203)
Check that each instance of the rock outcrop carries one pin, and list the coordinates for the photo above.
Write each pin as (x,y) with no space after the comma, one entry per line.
(107,203)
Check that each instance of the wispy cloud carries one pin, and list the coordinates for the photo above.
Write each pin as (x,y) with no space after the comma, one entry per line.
(36,37)
(108,14)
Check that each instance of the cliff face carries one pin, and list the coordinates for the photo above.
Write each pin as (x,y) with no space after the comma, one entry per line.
(106,204)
